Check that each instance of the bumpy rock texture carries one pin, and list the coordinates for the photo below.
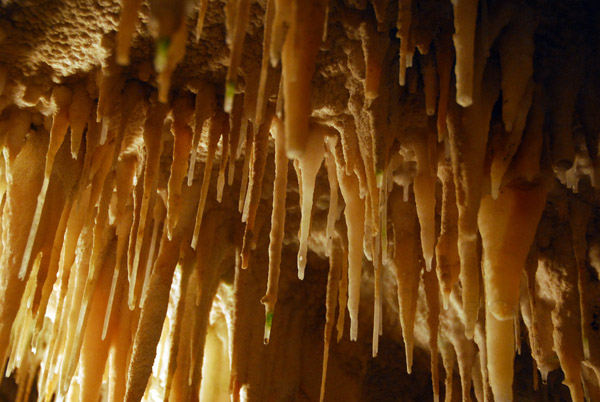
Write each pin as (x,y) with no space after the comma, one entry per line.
(429,169)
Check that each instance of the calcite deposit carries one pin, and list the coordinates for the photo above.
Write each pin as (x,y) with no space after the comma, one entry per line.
(312,200)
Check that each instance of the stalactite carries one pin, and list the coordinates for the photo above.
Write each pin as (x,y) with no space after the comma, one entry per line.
(203,6)
(87,269)
(333,213)
(566,332)
(129,16)
(123,325)
(299,53)
(407,266)
(23,185)
(277,226)
(217,126)
(259,158)
(424,188)
(170,52)
(187,264)
(430,81)
(116,278)
(503,268)
(404,24)
(110,82)
(448,360)
(335,268)
(248,155)
(446,250)
(465,137)
(500,344)
(464,349)
(433,312)
(53,265)
(261,99)
(183,110)
(180,388)
(342,293)
(154,308)
(308,166)
(374,47)
(224,159)
(125,172)
(367,154)
(238,34)
(78,313)
(282,12)
(79,112)
(444,61)
(148,126)
(62,98)
(158,215)
(235,123)
(354,214)
(205,99)
(465,18)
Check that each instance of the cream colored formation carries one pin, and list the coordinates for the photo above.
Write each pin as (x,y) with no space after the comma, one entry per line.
(111,258)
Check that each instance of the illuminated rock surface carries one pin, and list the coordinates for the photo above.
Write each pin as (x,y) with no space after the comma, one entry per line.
(428,169)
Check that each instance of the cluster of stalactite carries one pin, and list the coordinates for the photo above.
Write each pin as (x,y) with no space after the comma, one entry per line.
(457,165)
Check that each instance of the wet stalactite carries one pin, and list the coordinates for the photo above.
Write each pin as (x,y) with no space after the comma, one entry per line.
(172,170)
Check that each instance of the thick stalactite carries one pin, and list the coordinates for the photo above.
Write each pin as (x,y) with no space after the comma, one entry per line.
(299,200)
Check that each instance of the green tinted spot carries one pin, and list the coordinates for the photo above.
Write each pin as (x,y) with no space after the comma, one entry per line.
(379,175)
(162,50)
(229,94)
(268,322)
